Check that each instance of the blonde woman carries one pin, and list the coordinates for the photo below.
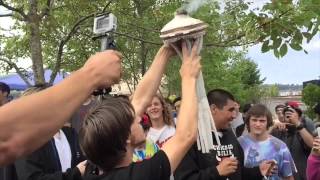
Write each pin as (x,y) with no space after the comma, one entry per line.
(162,125)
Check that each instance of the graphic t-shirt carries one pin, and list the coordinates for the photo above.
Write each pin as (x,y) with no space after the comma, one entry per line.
(203,166)
(146,153)
(160,136)
(271,149)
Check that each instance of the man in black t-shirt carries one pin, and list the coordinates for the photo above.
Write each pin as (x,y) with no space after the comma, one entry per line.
(225,161)
(112,130)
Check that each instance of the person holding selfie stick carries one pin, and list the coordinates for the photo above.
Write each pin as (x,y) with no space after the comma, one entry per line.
(297,136)
(258,145)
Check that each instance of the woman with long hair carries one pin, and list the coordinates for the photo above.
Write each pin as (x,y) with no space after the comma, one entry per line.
(162,125)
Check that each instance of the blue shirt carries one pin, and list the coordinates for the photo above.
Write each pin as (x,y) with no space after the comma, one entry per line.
(270,149)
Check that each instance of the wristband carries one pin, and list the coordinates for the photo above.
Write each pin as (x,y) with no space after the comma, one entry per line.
(301,126)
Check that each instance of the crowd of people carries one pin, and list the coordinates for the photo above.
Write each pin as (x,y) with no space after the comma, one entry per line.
(62,132)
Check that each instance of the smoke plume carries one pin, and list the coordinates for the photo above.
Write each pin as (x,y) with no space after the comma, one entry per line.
(192,6)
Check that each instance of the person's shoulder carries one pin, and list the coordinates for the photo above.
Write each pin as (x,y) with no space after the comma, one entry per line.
(160,159)
(229,133)
(168,132)
(245,141)
(278,142)
(69,132)
(171,128)
(308,121)
(243,138)
(158,165)
(68,129)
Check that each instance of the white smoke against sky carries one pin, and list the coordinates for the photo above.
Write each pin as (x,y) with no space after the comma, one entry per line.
(192,6)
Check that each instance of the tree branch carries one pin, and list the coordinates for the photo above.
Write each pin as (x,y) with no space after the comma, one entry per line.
(20,11)
(138,39)
(225,43)
(17,69)
(106,6)
(6,15)
(139,27)
(64,41)
(45,11)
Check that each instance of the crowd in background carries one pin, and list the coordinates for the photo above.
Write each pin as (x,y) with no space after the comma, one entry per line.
(254,143)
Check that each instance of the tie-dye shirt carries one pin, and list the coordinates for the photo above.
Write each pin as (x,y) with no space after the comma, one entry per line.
(141,154)
(271,149)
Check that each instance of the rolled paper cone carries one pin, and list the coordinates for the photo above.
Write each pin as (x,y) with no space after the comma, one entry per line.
(205,113)
(205,122)
(198,140)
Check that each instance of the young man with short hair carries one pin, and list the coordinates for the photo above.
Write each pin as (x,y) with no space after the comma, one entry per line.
(259,145)
(112,130)
(225,161)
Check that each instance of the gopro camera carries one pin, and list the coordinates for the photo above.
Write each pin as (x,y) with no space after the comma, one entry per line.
(104,23)
(104,26)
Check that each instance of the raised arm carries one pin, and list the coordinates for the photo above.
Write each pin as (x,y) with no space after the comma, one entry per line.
(29,122)
(150,82)
(186,131)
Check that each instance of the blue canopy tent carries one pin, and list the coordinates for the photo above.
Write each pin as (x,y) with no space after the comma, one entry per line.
(16,83)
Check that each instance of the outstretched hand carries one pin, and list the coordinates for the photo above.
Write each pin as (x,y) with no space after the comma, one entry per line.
(191,61)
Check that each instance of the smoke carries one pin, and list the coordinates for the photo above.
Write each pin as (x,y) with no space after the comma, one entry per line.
(192,6)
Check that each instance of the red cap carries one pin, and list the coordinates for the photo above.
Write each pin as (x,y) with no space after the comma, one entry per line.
(293,104)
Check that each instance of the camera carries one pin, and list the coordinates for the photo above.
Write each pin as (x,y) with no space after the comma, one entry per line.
(104,26)
(104,23)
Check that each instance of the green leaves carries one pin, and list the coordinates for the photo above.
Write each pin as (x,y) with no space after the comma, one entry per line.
(283,50)
(308,36)
(265,46)
(311,96)
(277,43)
(295,46)
(279,25)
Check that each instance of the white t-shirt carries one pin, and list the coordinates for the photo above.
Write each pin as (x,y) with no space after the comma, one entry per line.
(159,136)
(63,149)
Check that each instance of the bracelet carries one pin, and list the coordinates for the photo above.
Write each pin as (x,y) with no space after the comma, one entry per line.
(301,126)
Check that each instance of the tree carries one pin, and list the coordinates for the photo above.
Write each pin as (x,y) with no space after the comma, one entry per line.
(311,96)
(278,25)
(45,29)
(58,34)
(226,69)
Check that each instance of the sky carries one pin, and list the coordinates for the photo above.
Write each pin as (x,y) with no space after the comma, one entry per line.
(293,68)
